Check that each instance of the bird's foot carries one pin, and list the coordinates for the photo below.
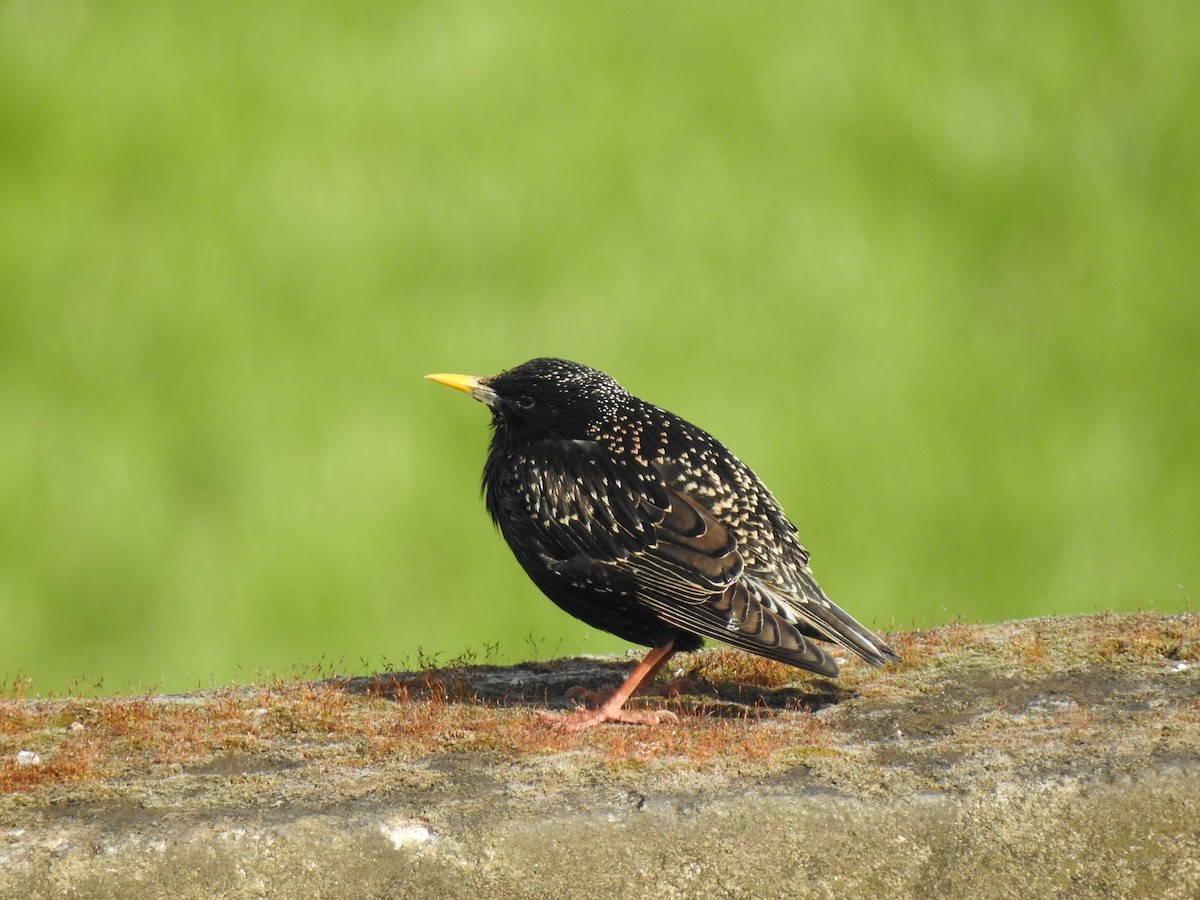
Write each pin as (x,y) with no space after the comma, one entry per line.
(586,697)
(586,718)
(672,688)
(611,710)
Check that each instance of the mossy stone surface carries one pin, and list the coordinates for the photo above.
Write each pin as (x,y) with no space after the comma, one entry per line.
(1052,757)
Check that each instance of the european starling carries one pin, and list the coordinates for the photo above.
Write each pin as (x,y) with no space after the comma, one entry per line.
(643,525)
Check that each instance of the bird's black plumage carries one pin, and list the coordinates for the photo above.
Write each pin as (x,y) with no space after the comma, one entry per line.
(643,525)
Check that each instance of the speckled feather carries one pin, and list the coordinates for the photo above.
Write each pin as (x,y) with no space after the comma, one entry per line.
(643,525)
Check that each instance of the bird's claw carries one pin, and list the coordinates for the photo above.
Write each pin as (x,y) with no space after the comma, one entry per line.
(587,697)
(584,719)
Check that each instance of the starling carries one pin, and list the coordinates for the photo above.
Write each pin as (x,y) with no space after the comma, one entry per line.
(643,525)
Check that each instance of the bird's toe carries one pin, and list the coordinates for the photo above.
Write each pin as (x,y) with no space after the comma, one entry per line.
(584,719)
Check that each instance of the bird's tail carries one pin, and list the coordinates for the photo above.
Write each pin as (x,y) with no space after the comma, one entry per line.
(821,618)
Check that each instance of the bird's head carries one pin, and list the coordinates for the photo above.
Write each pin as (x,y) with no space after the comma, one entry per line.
(543,398)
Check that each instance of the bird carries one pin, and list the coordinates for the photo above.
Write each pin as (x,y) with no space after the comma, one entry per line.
(643,525)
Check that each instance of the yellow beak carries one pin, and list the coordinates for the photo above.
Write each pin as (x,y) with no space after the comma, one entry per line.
(468,384)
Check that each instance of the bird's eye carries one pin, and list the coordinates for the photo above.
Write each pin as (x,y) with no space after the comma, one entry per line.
(524,402)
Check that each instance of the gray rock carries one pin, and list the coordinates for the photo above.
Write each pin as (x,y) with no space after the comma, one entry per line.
(1055,757)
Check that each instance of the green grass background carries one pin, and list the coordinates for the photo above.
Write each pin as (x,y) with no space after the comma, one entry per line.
(930,268)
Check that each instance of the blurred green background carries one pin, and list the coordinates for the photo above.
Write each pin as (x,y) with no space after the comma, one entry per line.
(930,268)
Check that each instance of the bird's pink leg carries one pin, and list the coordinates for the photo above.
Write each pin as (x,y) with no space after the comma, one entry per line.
(611,711)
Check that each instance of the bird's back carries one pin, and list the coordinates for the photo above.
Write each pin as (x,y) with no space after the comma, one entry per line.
(648,526)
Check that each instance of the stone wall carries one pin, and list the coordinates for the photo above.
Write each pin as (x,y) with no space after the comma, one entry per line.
(1055,757)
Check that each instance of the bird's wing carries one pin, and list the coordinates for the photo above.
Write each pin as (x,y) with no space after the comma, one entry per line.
(594,515)
(776,572)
